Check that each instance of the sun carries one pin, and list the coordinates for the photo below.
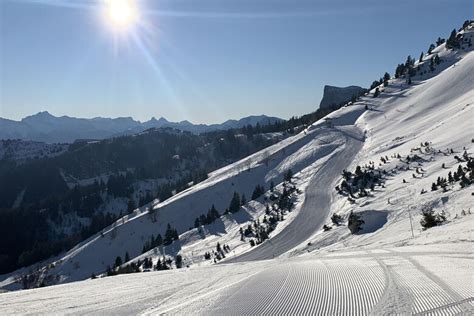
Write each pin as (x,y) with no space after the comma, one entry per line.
(121,13)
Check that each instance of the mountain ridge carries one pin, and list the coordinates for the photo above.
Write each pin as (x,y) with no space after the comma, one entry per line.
(49,128)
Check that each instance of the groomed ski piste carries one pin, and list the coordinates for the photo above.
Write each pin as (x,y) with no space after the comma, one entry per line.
(390,266)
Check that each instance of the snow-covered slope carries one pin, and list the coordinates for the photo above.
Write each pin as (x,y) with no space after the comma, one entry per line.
(385,268)
(438,111)
(304,154)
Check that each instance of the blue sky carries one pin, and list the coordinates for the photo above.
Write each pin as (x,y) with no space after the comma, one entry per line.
(205,61)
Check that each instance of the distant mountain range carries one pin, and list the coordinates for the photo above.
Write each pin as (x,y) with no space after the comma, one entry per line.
(336,95)
(52,129)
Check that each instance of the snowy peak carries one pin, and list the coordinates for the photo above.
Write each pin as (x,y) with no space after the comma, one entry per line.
(336,95)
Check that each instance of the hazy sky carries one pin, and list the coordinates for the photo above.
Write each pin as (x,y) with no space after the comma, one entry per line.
(205,61)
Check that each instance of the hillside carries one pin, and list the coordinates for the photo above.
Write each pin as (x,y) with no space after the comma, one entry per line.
(372,162)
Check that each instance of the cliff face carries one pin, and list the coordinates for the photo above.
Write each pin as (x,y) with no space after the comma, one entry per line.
(336,95)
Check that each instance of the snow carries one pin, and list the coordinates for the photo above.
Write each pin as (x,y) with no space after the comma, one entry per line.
(439,110)
(355,283)
(386,268)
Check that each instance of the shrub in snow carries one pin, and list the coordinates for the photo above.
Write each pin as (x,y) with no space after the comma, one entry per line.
(377,92)
(288,175)
(430,219)
(179,261)
(354,223)
(336,219)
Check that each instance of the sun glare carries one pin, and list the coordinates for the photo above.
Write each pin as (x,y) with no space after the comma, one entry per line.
(122,13)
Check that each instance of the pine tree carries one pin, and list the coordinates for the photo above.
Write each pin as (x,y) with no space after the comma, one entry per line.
(175,234)
(179,261)
(430,50)
(386,78)
(159,240)
(127,257)
(377,92)
(169,235)
(235,203)
(118,261)
(421,57)
(452,41)
(354,223)
(336,219)
(158,265)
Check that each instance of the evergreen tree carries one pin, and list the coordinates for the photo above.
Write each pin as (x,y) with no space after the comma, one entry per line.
(430,49)
(429,219)
(159,240)
(234,205)
(118,261)
(179,261)
(158,266)
(336,219)
(440,41)
(399,71)
(452,41)
(354,223)
(127,257)
(169,235)
(409,62)
(421,57)
(386,78)
(377,92)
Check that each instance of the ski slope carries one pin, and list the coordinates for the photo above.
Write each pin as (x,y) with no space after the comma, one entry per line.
(392,266)
(317,203)
(389,281)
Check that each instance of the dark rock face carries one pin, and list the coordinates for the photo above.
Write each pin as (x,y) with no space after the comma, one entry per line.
(336,95)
